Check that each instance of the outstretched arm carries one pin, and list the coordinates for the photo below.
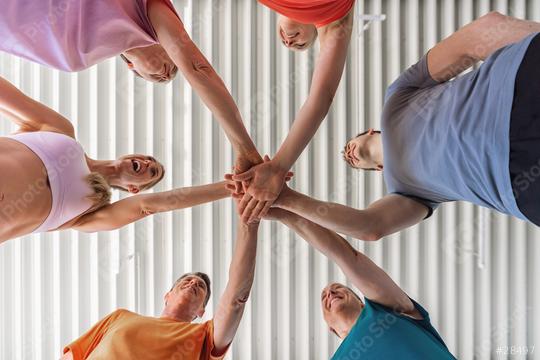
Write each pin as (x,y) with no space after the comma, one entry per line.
(474,42)
(266,180)
(386,216)
(201,75)
(233,301)
(370,279)
(31,115)
(137,207)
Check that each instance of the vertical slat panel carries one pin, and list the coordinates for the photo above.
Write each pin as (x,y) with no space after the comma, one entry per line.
(475,271)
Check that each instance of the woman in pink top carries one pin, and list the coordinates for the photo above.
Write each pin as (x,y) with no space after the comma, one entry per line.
(72,35)
(48,183)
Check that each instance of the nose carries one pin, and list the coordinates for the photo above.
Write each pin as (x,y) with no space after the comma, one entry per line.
(288,42)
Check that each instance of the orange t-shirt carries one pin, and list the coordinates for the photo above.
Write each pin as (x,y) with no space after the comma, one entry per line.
(125,335)
(318,12)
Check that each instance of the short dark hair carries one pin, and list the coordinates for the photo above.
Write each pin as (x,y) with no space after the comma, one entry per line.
(204,278)
(357,136)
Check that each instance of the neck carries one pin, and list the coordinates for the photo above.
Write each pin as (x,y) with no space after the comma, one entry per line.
(106,168)
(377,150)
(346,322)
(176,314)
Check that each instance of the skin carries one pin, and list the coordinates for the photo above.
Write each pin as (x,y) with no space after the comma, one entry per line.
(295,35)
(185,302)
(26,199)
(198,71)
(393,212)
(267,179)
(365,151)
(340,306)
(152,63)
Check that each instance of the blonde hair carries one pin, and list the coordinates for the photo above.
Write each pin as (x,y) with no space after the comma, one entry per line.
(101,190)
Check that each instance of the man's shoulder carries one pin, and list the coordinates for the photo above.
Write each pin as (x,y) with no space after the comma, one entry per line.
(121,312)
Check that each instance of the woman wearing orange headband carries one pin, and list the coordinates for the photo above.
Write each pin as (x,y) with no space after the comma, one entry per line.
(299,24)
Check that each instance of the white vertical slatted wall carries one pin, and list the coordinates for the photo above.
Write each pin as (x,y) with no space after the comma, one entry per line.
(53,287)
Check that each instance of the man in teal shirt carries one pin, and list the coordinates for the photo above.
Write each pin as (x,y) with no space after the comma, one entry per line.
(387,324)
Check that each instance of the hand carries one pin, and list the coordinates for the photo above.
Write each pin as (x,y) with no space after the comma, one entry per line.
(231,186)
(265,182)
(243,163)
(244,225)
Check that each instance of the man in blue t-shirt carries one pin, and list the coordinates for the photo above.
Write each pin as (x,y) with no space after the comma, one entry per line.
(387,324)
(475,138)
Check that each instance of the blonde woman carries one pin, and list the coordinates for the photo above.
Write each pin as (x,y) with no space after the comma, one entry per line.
(48,183)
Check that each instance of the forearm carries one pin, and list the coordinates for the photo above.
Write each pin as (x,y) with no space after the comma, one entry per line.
(183,197)
(336,217)
(372,281)
(326,241)
(326,78)
(475,42)
(303,129)
(201,75)
(135,208)
(241,274)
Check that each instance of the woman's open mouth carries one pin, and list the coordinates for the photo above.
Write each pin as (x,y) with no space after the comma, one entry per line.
(136,165)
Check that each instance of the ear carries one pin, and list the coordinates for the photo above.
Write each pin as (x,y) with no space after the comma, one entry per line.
(200,312)
(166,297)
(133,189)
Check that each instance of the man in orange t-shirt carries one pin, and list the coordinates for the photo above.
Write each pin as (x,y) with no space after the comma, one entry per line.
(127,335)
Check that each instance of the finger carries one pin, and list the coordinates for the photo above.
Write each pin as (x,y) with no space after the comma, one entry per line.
(237,196)
(231,187)
(244,176)
(238,187)
(255,215)
(245,185)
(246,215)
(245,201)
(229,177)
(266,209)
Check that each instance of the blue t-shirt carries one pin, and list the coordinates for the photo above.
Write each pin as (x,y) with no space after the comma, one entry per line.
(450,141)
(381,334)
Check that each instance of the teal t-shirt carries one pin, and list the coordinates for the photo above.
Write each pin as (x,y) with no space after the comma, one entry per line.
(382,334)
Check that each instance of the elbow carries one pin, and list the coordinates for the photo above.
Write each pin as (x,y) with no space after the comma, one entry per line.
(147,209)
(485,26)
(493,16)
(199,69)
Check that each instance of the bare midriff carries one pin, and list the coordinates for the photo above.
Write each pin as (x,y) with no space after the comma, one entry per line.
(25,195)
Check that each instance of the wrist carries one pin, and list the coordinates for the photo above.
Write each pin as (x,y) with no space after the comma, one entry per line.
(284,197)
(249,228)
(281,166)
(250,153)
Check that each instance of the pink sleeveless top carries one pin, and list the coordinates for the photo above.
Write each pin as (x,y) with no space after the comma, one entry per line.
(65,161)
(72,35)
